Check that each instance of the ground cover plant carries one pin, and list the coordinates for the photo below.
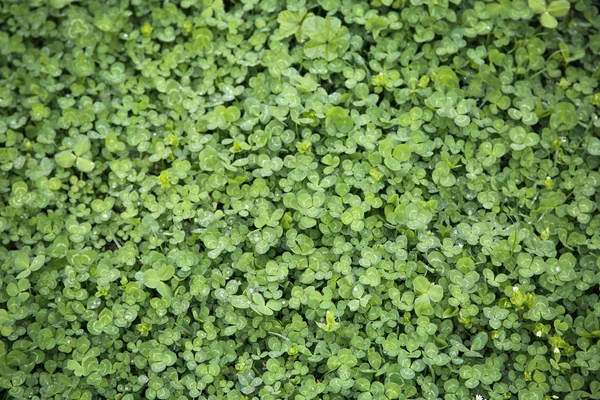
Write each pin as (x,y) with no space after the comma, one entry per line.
(320,199)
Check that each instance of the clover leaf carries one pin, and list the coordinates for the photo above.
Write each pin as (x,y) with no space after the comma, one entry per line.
(77,156)
(290,22)
(155,279)
(549,12)
(427,294)
(328,39)
(338,120)
(522,139)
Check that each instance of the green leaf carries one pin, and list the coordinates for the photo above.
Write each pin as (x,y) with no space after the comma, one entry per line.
(385,199)
(105,317)
(81,145)
(421,285)
(328,38)
(435,293)
(12,290)
(164,290)
(548,21)
(203,39)
(165,273)
(538,6)
(262,309)
(593,146)
(84,165)
(577,382)
(564,116)
(151,278)
(338,120)
(559,8)
(479,341)
(290,22)
(402,153)
(65,159)
(423,306)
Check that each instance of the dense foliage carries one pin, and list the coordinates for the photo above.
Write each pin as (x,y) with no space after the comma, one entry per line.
(328,199)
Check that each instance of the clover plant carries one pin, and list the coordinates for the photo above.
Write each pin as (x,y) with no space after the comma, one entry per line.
(304,199)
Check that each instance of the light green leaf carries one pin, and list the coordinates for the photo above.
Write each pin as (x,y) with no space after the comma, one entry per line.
(166,272)
(538,6)
(423,306)
(65,159)
(548,21)
(84,165)
(559,8)
(435,293)
(151,278)
(421,285)
(290,22)
(402,152)
(164,290)
(81,145)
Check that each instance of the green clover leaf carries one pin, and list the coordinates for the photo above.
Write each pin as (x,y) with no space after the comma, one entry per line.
(328,39)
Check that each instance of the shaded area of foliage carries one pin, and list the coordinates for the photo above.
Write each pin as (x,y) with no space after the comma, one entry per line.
(326,199)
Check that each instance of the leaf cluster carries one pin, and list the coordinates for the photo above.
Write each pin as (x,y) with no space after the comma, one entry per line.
(304,199)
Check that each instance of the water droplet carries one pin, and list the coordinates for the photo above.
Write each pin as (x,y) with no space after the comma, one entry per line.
(94,303)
